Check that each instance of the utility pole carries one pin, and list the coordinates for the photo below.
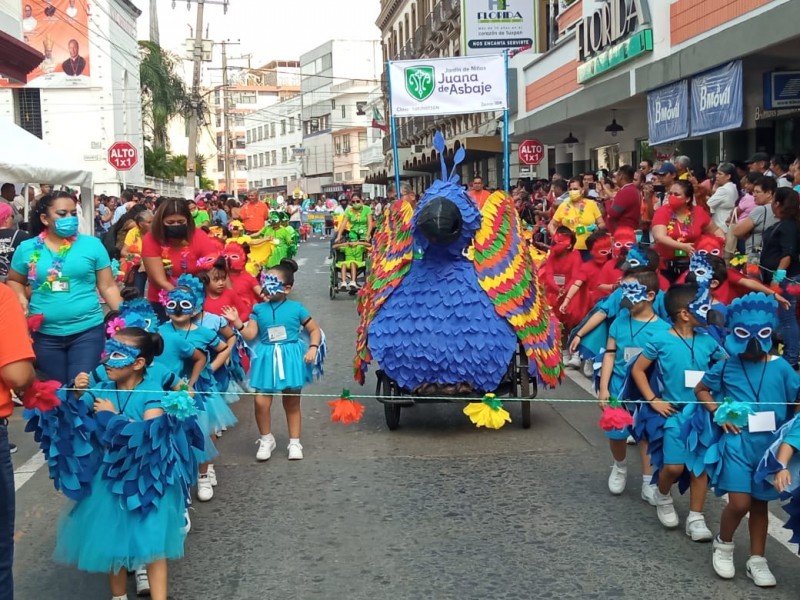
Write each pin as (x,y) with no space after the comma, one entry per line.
(196,100)
(225,112)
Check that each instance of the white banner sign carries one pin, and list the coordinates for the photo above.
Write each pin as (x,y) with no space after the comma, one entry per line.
(448,86)
(489,26)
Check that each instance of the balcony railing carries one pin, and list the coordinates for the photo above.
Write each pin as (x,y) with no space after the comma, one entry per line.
(437,20)
(452,8)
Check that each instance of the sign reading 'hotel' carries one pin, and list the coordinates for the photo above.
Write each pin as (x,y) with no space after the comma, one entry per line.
(616,33)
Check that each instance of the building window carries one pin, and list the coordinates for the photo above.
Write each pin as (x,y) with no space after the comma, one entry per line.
(291,124)
(338,176)
(241,165)
(247,98)
(249,138)
(238,121)
(337,145)
(364,173)
(344,111)
(260,133)
(283,126)
(333,104)
(361,108)
(346,143)
(362,141)
(284,155)
(272,130)
(285,181)
(274,157)
(261,159)
(291,153)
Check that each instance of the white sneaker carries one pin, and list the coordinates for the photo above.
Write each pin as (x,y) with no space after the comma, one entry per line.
(212,475)
(665,510)
(574,361)
(617,480)
(588,369)
(295,451)
(758,571)
(187,525)
(343,286)
(265,448)
(142,583)
(697,530)
(631,441)
(353,285)
(205,491)
(722,559)
(649,493)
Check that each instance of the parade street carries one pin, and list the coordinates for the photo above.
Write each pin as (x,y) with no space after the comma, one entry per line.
(437,509)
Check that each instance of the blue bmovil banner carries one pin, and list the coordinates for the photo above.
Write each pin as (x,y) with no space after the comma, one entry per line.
(717,100)
(668,113)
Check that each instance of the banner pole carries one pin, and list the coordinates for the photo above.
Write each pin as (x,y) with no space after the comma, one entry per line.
(506,144)
(393,133)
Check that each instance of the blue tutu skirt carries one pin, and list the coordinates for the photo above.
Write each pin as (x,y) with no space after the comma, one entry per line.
(210,451)
(99,535)
(279,367)
(217,411)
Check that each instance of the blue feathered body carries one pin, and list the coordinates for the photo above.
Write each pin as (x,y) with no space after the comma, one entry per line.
(440,327)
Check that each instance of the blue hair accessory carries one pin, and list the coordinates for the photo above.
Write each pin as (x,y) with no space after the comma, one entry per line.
(139,313)
(634,291)
(194,284)
(271,285)
(701,304)
(751,319)
(119,355)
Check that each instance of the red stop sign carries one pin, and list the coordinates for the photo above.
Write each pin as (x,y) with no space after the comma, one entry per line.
(123,156)
(531,152)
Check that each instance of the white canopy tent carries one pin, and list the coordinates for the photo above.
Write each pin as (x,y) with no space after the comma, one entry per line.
(24,158)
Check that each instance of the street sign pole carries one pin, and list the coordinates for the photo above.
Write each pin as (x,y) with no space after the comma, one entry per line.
(506,143)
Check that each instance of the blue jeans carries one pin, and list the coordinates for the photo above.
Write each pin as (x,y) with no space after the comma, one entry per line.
(139,282)
(789,329)
(6,516)
(63,357)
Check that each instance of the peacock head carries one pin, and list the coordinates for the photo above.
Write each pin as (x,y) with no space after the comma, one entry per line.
(446,218)
(751,321)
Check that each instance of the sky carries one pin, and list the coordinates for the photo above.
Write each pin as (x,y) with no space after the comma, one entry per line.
(265,28)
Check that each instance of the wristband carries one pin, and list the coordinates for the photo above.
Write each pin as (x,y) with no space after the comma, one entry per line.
(314,346)
(653,399)
(240,328)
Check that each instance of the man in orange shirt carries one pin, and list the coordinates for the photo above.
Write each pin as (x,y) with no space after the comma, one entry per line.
(254,213)
(16,372)
(478,193)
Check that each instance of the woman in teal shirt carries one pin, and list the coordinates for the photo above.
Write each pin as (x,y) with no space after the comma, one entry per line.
(57,274)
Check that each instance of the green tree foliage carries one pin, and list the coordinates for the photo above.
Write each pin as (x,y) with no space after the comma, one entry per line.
(164,94)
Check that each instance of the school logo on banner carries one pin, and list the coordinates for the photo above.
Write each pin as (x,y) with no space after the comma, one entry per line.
(420,82)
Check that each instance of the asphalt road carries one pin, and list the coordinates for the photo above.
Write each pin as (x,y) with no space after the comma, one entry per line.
(435,510)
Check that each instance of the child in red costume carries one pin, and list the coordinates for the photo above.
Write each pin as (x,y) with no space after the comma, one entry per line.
(559,266)
(577,302)
(611,273)
(247,288)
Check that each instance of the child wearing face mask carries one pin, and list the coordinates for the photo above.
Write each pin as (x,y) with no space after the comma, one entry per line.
(187,351)
(610,275)
(628,334)
(561,262)
(281,237)
(106,531)
(682,355)
(354,256)
(285,361)
(576,303)
(246,286)
(765,386)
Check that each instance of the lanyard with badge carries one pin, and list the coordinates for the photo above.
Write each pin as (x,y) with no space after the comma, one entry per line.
(691,377)
(56,281)
(632,351)
(276,333)
(761,421)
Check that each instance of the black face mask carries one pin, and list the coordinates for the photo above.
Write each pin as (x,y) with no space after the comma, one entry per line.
(754,352)
(176,232)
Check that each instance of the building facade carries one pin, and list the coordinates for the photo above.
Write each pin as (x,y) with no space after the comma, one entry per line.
(85,94)
(251,91)
(273,147)
(713,80)
(338,77)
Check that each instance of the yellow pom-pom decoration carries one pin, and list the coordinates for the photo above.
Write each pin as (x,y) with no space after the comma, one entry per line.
(488,413)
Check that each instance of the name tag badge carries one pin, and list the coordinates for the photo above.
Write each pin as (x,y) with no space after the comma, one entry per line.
(60,285)
(631,353)
(761,422)
(560,279)
(580,230)
(692,378)
(277,333)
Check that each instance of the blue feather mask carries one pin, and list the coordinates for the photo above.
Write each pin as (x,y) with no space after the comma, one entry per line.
(181,301)
(701,305)
(119,355)
(633,293)
(139,313)
(271,285)
(751,321)
(634,259)
(701,267)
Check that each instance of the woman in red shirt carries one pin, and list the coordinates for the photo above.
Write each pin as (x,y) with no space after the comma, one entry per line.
(677,226)
(171,248)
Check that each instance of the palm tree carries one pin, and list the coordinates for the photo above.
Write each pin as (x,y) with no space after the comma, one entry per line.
(154,34)
(164,94)
(158,163)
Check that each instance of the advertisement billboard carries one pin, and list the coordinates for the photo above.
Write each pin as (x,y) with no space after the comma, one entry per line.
(491,26)
(58,29)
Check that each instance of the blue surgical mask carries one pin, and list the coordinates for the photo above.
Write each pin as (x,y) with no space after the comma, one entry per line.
(66,227)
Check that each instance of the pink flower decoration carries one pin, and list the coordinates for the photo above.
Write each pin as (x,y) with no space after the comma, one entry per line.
(42,395)
(114,325)
(615,418)
(163,297)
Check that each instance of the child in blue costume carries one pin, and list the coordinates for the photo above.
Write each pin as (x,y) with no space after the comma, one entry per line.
(682,357)
(284,362)
(128,521)
(628,334)
(751,380)
(186,350)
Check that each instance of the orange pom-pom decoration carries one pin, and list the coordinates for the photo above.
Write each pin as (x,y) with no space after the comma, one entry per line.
(346,410)
(42,395)
(752,269)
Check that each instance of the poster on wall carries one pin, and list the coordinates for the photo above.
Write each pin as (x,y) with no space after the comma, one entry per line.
(718,100)
(491,26)
(59,30)
(448,86)
(668,113)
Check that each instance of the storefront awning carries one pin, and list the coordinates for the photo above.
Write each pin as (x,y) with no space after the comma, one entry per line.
(332,188)
(17,59)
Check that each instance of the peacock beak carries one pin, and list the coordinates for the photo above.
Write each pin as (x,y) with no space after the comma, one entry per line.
(440,221)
